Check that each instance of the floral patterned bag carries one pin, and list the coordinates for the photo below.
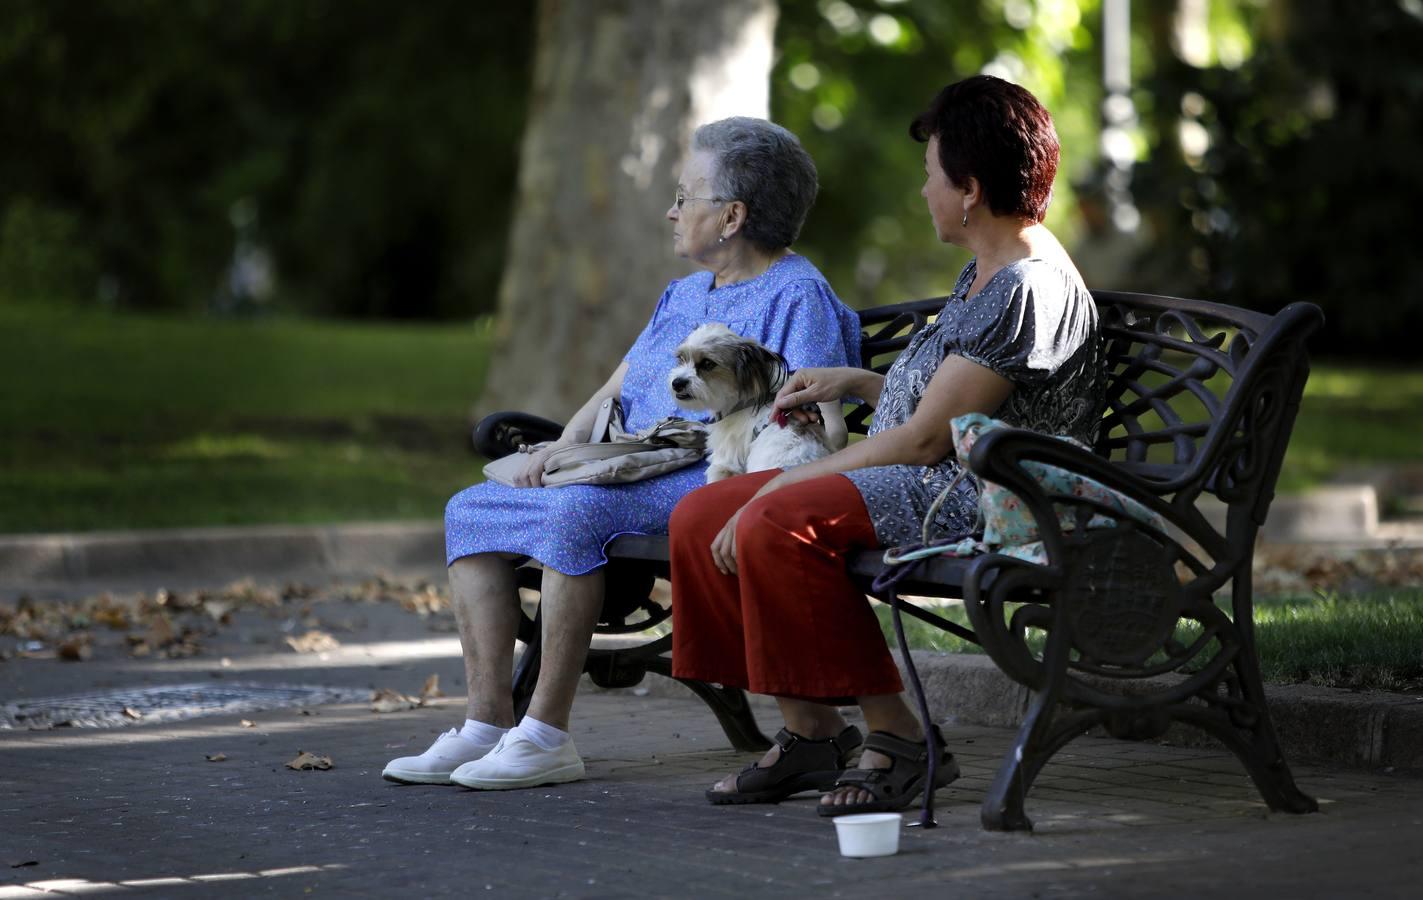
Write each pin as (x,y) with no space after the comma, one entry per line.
(1005,524)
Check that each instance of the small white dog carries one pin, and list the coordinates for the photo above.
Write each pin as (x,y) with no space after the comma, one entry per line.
(737,378)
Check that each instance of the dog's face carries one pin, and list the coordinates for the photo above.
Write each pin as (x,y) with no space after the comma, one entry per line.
(718,369)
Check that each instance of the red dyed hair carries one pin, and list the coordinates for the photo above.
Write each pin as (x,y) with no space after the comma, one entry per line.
(997,132)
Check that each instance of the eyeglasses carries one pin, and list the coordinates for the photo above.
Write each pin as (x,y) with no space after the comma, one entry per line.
(683,198)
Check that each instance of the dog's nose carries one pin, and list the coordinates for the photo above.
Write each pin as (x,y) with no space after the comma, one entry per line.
(679,384)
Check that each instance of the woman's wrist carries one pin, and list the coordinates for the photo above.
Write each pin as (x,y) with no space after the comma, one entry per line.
(776,483)
(869,386)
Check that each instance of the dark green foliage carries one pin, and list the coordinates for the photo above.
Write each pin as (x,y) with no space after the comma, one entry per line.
(369,147)
(870,230)
(1312,179)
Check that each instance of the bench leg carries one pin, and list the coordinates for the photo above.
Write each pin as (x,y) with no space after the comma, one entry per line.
(1236,711)
(1240,718)
(733,713)
(1036,742)
(729,705)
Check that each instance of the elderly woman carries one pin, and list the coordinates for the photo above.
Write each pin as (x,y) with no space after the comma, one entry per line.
(760,595)
(742,198)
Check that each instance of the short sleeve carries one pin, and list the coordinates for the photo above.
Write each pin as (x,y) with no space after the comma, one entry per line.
(807,324)
(1027,325)
(655,322)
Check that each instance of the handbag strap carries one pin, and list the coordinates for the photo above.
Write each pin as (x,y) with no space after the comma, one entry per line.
(607,422)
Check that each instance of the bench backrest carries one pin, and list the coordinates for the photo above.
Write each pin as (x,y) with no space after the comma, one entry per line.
(1201,396)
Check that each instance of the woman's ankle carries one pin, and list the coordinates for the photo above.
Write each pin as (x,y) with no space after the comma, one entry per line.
(889,714)
(816,725)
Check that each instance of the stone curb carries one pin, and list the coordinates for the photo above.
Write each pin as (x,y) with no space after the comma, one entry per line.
(221,553)
(1314,724)
(1336,515)
(1371,730)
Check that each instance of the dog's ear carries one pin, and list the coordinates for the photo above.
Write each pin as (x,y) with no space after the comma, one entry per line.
(759,370)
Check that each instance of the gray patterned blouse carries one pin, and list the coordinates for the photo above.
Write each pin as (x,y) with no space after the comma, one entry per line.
(1034,324)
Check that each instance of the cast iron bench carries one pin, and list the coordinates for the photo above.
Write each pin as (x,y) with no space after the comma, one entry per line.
(1201,400)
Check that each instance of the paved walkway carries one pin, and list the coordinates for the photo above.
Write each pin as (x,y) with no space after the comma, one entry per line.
(140,809)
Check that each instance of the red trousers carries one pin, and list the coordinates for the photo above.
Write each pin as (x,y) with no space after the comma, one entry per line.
(790,623)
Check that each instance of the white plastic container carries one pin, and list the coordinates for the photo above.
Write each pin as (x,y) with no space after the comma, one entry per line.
(868,834)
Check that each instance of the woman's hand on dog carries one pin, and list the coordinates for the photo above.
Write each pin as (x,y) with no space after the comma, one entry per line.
(807,387)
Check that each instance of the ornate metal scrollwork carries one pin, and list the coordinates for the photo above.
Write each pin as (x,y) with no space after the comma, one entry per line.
(1121,598)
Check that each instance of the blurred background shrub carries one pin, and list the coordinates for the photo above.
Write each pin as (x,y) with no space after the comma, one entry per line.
(357,158)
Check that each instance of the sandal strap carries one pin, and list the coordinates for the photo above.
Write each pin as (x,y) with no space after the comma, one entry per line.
(848,740)
(861,777)
(844,743)
(896,747)
(909,765)
(801,755)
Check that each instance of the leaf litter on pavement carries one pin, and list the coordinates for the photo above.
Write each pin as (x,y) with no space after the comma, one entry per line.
(307,761)
(388,700)
(174,625)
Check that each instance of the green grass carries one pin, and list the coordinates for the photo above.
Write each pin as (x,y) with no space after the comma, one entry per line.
(1354,415)
(1363,641)
(127,421)
(1351,415)
(140,421)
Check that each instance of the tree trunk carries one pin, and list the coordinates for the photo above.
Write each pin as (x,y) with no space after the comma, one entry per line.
(619,86)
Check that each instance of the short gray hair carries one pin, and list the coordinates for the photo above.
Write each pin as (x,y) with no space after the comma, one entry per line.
(764,166)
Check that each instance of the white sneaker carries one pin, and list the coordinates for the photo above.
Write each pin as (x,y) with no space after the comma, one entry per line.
(449,752)
(517,762)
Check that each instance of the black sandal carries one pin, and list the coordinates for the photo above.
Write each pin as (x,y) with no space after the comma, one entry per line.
(804,765)
(896,787)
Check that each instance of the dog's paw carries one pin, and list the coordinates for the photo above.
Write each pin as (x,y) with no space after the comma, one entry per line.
(719,473)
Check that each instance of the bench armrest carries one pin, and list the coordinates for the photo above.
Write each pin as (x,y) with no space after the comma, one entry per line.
(499,434)
(998,456)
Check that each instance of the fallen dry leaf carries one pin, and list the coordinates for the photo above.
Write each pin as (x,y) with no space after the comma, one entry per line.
(431,690)
(112,616)
(248,723)
(306,760)
(386,700)
(313,642)
(424,600)
(77,648)
(131,713)
(297,591)
(216,757)
(160,631)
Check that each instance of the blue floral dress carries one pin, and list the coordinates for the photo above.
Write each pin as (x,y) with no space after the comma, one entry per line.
(1035,324)
(790,308)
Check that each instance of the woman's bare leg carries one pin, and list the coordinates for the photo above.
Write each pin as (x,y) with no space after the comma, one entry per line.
(571,605)
(485,597)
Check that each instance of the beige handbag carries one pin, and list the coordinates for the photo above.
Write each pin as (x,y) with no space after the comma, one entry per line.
(614,456)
